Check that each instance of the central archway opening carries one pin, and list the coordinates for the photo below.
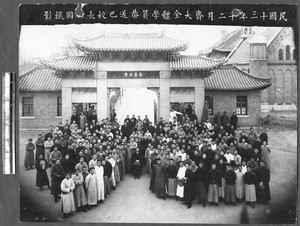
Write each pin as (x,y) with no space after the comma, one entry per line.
(134,101)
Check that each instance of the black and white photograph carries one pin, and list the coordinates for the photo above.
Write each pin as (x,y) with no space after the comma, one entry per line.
(157,123)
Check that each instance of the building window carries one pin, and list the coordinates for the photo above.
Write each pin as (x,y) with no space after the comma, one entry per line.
(59,103)
(288,52)
(182,90)
(280,54)
(210,104)
(294,54)
(241,105)
(27,103)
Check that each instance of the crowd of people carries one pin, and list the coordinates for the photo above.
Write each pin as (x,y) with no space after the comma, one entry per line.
(186,159)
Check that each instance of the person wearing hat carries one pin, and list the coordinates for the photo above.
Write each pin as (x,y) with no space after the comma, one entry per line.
(160,180)
(263,188)
(250,180)
(230,188)
(29,156)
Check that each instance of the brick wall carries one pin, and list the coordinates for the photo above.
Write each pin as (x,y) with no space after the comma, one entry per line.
(226,101)
(45,110)
(283,72)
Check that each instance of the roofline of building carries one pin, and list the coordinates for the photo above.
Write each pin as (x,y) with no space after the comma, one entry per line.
(253,76)
(274,36)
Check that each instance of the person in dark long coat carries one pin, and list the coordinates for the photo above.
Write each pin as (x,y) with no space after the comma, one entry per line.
(171,172)
(40,149)
(263,136)
(202,183)
(190,185)
(41,173)
(250,180)
(214,178)
(136,161)
(68,164)
(263,179)
(29,156)
(57,175)
(230,187)
(234,120)
(160,180)
(152,179)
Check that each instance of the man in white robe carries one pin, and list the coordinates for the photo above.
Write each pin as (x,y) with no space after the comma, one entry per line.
(91,187)
(99,171)
(180,178)
(67,199)
(240,186)
(113,164)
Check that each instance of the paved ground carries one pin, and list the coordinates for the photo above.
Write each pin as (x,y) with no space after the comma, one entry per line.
(133,202)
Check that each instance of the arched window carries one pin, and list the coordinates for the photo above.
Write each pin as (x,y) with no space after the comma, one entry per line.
(288,52)
(294,54)
(280,54)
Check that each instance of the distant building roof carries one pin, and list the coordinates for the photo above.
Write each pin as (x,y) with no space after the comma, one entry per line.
(194,63)
(73,63)
(39,79)
(238,48)
(234,79)
(130,42)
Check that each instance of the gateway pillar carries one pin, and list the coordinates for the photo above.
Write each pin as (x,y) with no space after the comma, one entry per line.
(164,94)
(102,103)
(66,93)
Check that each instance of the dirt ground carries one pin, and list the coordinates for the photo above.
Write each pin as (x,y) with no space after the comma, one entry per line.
(132,202)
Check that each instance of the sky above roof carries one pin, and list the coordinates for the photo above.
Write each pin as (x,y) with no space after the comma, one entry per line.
(42,41)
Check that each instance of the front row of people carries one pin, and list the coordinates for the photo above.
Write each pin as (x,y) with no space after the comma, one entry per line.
(190,182)
(79,191)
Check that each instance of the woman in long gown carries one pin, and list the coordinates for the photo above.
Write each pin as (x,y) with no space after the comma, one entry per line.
(41,173)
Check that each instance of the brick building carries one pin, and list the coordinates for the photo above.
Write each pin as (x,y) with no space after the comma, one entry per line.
(52,91)
(266,52)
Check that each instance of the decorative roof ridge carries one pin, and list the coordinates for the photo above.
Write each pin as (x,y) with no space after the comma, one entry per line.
(253,76)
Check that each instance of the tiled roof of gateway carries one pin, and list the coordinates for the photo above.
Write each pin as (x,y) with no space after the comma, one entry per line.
(194,63)
(74,63)
(232,79)
(131,42)
(39,79)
